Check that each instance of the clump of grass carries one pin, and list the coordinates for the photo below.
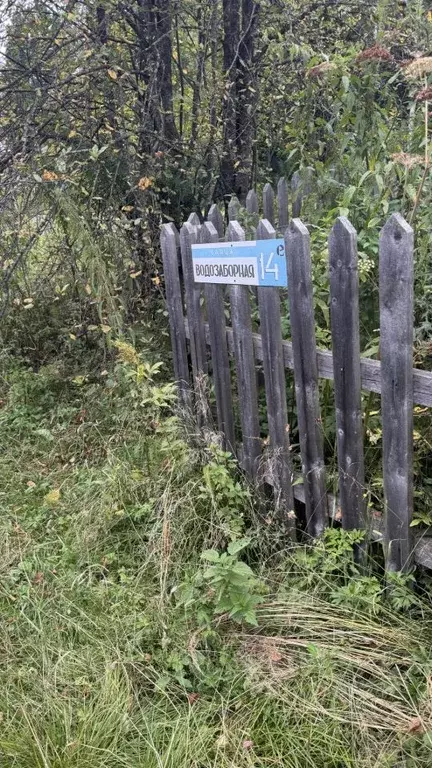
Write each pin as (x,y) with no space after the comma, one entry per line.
(106,511)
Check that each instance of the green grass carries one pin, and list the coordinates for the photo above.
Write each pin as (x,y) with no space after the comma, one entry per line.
(105,513)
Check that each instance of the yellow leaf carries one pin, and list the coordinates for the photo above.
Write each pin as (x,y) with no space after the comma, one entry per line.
(53,496)
(127,208)
(88,289)
(72,134)
(144,183)
(49,176)
(135,274)
(112,74)
(156,280)
(72,336)
(105,328)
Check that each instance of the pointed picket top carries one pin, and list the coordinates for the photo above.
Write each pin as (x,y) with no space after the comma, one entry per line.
(265,230)
(297,229)
(397,227)
(216,218)
(282,197)
(235,232)
(252,201)
(343,225)
(396,248)
(175,231)
(233,208)
(208,233)
(296,194)
(345,235)
(167,233)
(194,219)
(188,230)
(268,202)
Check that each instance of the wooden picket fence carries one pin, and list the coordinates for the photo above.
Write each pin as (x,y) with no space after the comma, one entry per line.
(199,334)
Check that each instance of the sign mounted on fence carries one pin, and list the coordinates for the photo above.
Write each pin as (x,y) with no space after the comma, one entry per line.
(248,262)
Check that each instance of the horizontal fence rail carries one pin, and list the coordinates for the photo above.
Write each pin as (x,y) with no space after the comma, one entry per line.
(198,316)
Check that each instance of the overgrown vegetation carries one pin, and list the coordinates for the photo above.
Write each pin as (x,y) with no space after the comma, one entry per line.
(146,619)
(153,612)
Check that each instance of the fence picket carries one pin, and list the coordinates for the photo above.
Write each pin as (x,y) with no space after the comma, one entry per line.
(274,377)
(175,311)
(189,236)
(233,208)
(306,375)
(252,201)
(214,295)
(194,219)
(245,366)
(282,197)
(216,218)
(268,203)
(344,293)
(394,376)
(396,323)
(296,195)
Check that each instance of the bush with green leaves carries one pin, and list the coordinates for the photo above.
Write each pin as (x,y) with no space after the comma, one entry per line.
(227,585)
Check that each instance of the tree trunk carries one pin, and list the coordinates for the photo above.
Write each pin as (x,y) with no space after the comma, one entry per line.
(163,46)
(246,98)
(231,27)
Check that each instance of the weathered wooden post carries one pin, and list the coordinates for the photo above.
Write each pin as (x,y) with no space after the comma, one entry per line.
(174,302)
(306,375)
(268,203)
(282,198)
(216,218)
(198,346)
(344,294)
(252,201)
(274,377)
(396,345)
(233,208)
(214,295)
(245,366)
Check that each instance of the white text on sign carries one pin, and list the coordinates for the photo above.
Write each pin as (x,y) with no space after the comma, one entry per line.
(251,262)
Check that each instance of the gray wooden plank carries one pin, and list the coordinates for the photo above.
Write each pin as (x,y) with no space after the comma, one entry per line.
(274,378)
(344,295)
(282,198)
(245,366)
(396,344)
(216,218)
(233,208)
(296,195)
(176,234)
(370,369)
(194,219)
(174,302)
(214,295)
(252,201)
(306,375)
(189,236)
(268,203)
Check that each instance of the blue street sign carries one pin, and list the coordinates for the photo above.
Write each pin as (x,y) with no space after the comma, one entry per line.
(248,262)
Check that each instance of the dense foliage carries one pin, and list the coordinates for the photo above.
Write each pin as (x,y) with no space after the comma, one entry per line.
(149,618)
(153,614)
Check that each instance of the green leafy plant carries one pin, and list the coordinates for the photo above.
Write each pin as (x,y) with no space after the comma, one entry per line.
(226,586)
(227,495)
(330,556)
